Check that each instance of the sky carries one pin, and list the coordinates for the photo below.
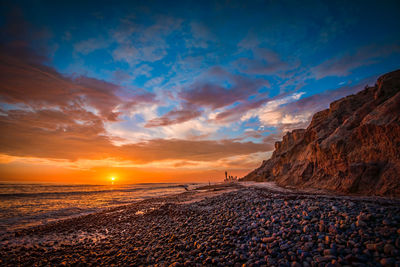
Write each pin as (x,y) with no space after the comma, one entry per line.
(175,91)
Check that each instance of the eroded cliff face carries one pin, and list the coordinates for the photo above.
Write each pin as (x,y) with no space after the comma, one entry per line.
(352,147)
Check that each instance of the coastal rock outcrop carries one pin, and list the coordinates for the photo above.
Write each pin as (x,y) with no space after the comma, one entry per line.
(352,147)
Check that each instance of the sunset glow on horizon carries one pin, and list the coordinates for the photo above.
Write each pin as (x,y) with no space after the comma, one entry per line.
(174,92)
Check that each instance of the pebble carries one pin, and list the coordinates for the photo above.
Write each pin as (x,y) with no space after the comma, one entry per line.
(249,227)
(387,261)
(324,258)
(388,249)
(361,223)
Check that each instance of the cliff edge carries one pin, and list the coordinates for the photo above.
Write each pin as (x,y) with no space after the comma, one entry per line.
(352,147)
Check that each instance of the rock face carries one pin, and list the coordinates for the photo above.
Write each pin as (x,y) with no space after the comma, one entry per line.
(352,147)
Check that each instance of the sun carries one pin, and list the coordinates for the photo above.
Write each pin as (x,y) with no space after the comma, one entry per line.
(113,179)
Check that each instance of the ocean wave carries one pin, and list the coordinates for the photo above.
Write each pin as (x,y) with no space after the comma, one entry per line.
(25,205)
(89,192)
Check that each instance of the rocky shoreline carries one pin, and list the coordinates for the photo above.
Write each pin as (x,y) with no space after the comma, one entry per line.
(219,226)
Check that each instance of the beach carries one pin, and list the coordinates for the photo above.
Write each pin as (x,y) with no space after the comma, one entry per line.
(220,225)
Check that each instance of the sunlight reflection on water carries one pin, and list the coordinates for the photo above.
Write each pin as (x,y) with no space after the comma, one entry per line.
(29,204)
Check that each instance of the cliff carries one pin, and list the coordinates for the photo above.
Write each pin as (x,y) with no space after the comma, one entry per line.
(352,147)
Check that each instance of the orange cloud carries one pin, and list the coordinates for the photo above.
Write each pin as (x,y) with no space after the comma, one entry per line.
(51,134)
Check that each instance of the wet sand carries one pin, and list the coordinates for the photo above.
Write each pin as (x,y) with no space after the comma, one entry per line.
(220,225)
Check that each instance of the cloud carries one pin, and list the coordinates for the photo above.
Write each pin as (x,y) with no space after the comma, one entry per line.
(138,43)
(200,36)
(174,117)
(268,114)
(202,150)
(131,102)
(124,76)
(364,56)
(236,112)
(100,95)
(88,46)
(133,130)
(194,129)
(39,86)
(64,118)
(52,134)
(154,82)
(121,76)
(259,133)
(216,96)
(56,135)
(126,52)
(264,61)
(260,60)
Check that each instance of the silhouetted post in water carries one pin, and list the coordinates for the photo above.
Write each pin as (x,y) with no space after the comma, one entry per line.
(226,176)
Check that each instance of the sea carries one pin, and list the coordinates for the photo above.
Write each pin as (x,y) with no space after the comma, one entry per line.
(23,205)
